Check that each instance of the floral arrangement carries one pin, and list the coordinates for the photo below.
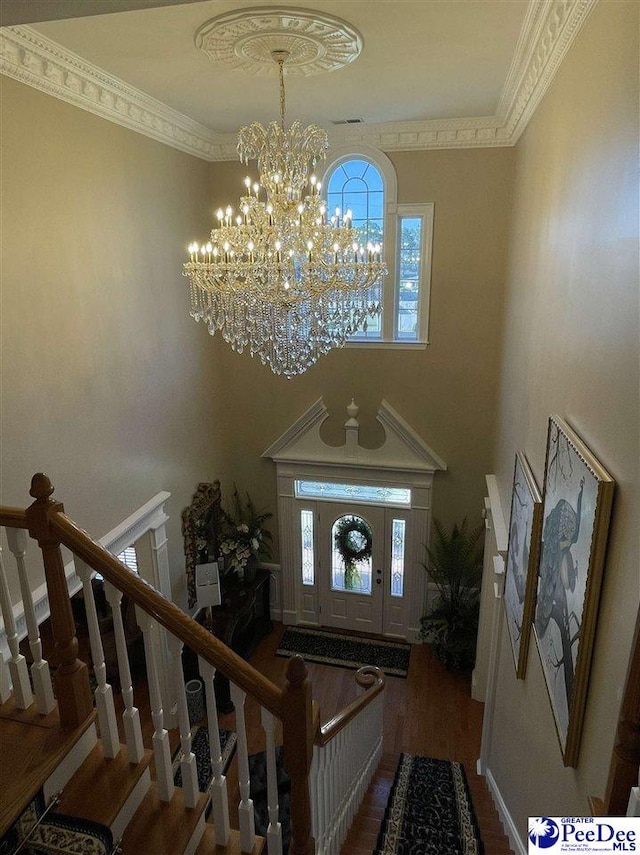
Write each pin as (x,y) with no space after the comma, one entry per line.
(243,536)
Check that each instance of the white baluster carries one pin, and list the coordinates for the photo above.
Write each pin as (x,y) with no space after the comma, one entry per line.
(342,791)
(333,794)
(40,673)
(5,680)
(130,716)
(274,831)
(219,795)
(22,693)
(103,693)
(633,808)
(328,782)
(160,739)
(315,788)
(188,766)
(245,808)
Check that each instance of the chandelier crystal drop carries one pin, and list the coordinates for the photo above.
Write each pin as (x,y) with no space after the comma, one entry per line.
(282,276)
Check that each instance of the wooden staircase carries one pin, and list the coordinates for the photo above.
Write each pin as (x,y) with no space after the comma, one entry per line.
(38,754)
(116,780)
(363,834)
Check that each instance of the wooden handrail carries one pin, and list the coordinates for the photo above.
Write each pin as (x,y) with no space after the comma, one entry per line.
(13,517)
(166,613)
(199,639)
(49,525)
(370,678)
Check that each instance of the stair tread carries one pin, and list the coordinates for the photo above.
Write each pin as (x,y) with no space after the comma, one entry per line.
(43,746)
(364,825)
(113,779)
(159,826)
(208,843)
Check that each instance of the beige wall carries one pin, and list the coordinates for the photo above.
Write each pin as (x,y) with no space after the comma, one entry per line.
(571,347)
(108,385)
(446,392)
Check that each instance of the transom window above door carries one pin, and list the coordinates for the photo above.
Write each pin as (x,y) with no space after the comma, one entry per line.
(366,494)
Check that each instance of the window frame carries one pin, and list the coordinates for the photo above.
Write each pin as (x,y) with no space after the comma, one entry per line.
(393,213)
(423,211)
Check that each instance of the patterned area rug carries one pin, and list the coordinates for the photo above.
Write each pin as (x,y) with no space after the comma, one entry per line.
(347,651)
(429,811)
(200,747)
(56,834)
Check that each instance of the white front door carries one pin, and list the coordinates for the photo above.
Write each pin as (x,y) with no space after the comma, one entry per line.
(374,599)
(350,600)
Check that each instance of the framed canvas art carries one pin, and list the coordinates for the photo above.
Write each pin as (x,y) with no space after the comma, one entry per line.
(522,561)
(578,494)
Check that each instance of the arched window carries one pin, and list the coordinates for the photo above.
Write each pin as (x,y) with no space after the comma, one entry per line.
(363,180)
(356,184)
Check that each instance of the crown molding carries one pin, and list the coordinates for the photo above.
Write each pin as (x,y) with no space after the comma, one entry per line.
(548,32)
(436,133)
(31,58)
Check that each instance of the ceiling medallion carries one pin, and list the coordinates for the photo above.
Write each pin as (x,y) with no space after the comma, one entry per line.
(245,39)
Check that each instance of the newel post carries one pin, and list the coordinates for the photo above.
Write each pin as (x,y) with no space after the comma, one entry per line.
(71,680)
(297,731)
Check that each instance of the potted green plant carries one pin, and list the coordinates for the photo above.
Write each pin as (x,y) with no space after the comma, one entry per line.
(454,565)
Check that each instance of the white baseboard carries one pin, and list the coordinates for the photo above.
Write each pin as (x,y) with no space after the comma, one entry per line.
(511,831)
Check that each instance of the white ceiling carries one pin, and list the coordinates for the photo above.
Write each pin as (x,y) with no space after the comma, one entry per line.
(422,60)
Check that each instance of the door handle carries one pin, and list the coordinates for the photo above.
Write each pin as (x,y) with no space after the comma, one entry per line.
(379,572)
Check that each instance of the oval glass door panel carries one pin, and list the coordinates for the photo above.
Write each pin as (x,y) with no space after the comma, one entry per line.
(352,572)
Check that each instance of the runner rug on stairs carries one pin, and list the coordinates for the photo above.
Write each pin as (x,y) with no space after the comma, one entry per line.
(200,747)
(429,811)
(56,834)
(347,651)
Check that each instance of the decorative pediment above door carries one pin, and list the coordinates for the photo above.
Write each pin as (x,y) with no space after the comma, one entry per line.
(389,486)
(402,450)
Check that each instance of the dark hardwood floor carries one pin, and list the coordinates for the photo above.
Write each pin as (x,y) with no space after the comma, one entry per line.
(429,713)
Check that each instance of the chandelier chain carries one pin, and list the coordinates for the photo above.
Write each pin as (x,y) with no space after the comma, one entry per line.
(281,60)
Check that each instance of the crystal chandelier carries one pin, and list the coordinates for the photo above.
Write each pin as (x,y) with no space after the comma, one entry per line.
(282,276)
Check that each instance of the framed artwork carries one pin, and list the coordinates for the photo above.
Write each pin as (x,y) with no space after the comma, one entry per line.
(521,575)
(578,493)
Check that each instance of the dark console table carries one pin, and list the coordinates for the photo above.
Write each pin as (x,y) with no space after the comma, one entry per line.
(240,621)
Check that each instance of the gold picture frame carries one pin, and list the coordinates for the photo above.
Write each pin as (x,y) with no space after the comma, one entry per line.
(578,495)
(521,572)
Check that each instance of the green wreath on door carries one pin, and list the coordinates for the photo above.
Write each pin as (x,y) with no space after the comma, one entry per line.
(354,541)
